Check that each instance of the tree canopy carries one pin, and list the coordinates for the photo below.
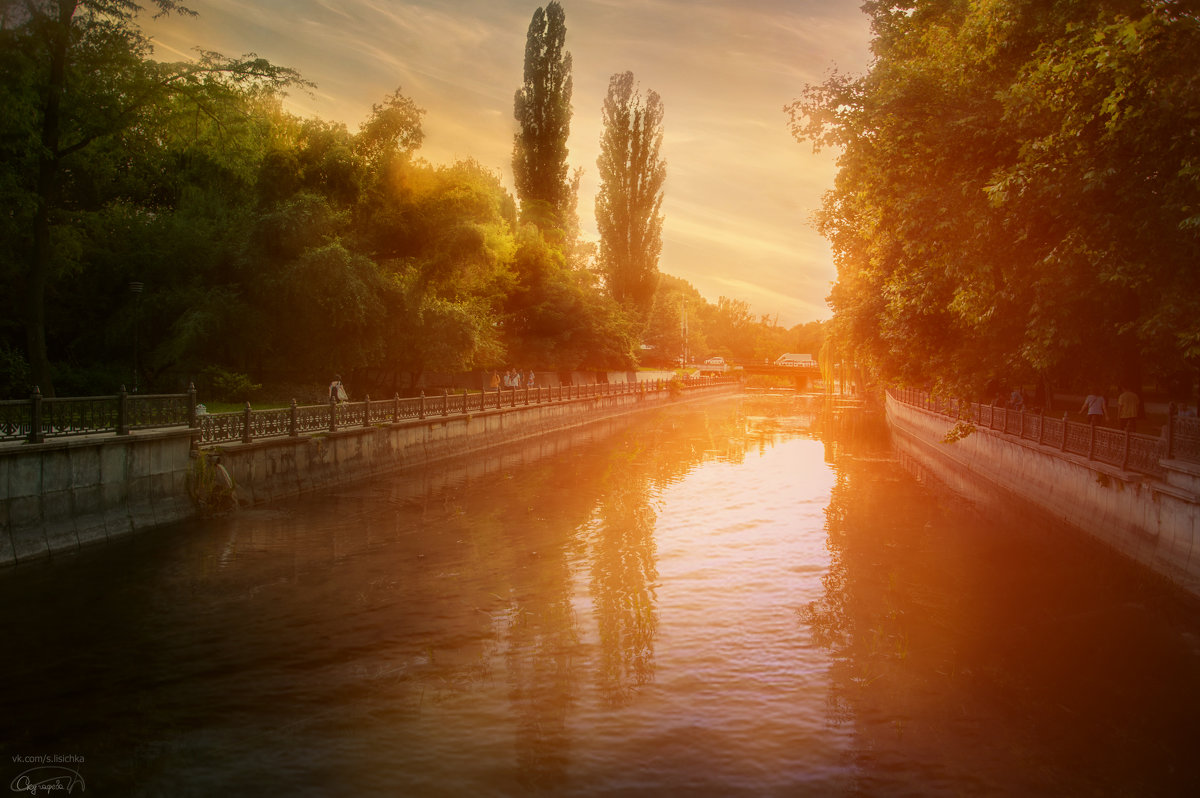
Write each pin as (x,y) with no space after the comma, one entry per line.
(1017,192)
(171,222)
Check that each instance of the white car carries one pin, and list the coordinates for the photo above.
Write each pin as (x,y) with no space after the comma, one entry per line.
(715,361)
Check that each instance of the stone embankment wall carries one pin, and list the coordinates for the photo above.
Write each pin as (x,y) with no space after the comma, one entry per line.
(1153,522)
(69,492)
(276,468)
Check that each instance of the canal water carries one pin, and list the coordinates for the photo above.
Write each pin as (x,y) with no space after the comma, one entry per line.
(753,596)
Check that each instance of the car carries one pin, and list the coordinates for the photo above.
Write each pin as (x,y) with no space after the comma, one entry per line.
(715,361)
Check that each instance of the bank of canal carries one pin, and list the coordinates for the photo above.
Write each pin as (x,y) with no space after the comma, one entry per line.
(740,597)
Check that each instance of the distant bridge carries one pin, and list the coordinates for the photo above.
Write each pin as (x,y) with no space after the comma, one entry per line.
(803,376)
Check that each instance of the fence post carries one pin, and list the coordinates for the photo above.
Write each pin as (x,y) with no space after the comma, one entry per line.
(247,435)
(396,407)
(367,410)
(445,402)
(1041,425)
(1021,423)
(193,420)
(35,416)
(421,405)
(293,419)
(1125,454)
(1091,440)
(1171,431)
(1066,416)
(332,414)
(123,412)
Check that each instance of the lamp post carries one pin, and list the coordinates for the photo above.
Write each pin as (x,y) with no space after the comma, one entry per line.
(135,288)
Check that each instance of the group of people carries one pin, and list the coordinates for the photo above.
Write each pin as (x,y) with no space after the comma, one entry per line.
(1095,406)
(512,378)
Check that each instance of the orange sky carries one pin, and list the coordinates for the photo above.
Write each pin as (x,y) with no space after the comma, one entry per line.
(740,191)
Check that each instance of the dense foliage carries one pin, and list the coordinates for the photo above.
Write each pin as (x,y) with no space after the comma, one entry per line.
(1019,192)
(268,249)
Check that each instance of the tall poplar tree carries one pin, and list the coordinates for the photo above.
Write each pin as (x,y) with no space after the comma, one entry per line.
(629,203)
(543,111)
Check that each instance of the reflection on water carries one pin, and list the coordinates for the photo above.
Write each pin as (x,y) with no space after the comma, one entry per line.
(746,597)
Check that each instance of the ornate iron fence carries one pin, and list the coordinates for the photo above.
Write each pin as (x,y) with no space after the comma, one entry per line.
(1183,439)
(248,424)
(1130,451)
(37,418)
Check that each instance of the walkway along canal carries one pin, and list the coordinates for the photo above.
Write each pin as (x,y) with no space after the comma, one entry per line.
(1139,494)
(85,470)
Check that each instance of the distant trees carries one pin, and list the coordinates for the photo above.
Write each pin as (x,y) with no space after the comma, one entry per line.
(683,321)
(629,203)
(542,108)
(1017,192)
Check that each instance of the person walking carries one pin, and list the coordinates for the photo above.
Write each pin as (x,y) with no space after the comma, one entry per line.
(1096,408)
(337,392)
(1127,409)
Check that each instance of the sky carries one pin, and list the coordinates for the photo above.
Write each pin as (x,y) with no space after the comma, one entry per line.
(740,191)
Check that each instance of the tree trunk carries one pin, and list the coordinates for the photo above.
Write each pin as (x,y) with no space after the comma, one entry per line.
(47,184)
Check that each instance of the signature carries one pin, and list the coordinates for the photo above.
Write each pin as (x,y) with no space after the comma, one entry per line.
(48,779)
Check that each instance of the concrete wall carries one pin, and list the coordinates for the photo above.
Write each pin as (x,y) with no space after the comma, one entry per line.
(1153,522)
(276,468)
(68,492)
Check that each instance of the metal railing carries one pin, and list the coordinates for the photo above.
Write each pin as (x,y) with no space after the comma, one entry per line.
(248,424)
(37,418)
(1180,438)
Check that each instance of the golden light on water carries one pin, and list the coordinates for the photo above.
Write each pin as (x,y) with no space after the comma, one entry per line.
(745,597)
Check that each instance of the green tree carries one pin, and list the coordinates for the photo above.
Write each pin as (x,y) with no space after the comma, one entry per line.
(734,331)
(558,318)
(542,108)
(1015,198)
(629,203)
(77,80)
(443,238)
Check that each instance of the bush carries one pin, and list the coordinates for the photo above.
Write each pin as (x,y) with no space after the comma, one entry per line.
(227,386)
(14,374)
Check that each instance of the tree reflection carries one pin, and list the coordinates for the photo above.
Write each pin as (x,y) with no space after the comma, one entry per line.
(857,617)
(624,576)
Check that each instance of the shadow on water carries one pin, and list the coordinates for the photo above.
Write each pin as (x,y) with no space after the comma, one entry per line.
(978,647)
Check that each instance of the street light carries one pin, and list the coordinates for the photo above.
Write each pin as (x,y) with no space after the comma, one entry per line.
(135,288)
